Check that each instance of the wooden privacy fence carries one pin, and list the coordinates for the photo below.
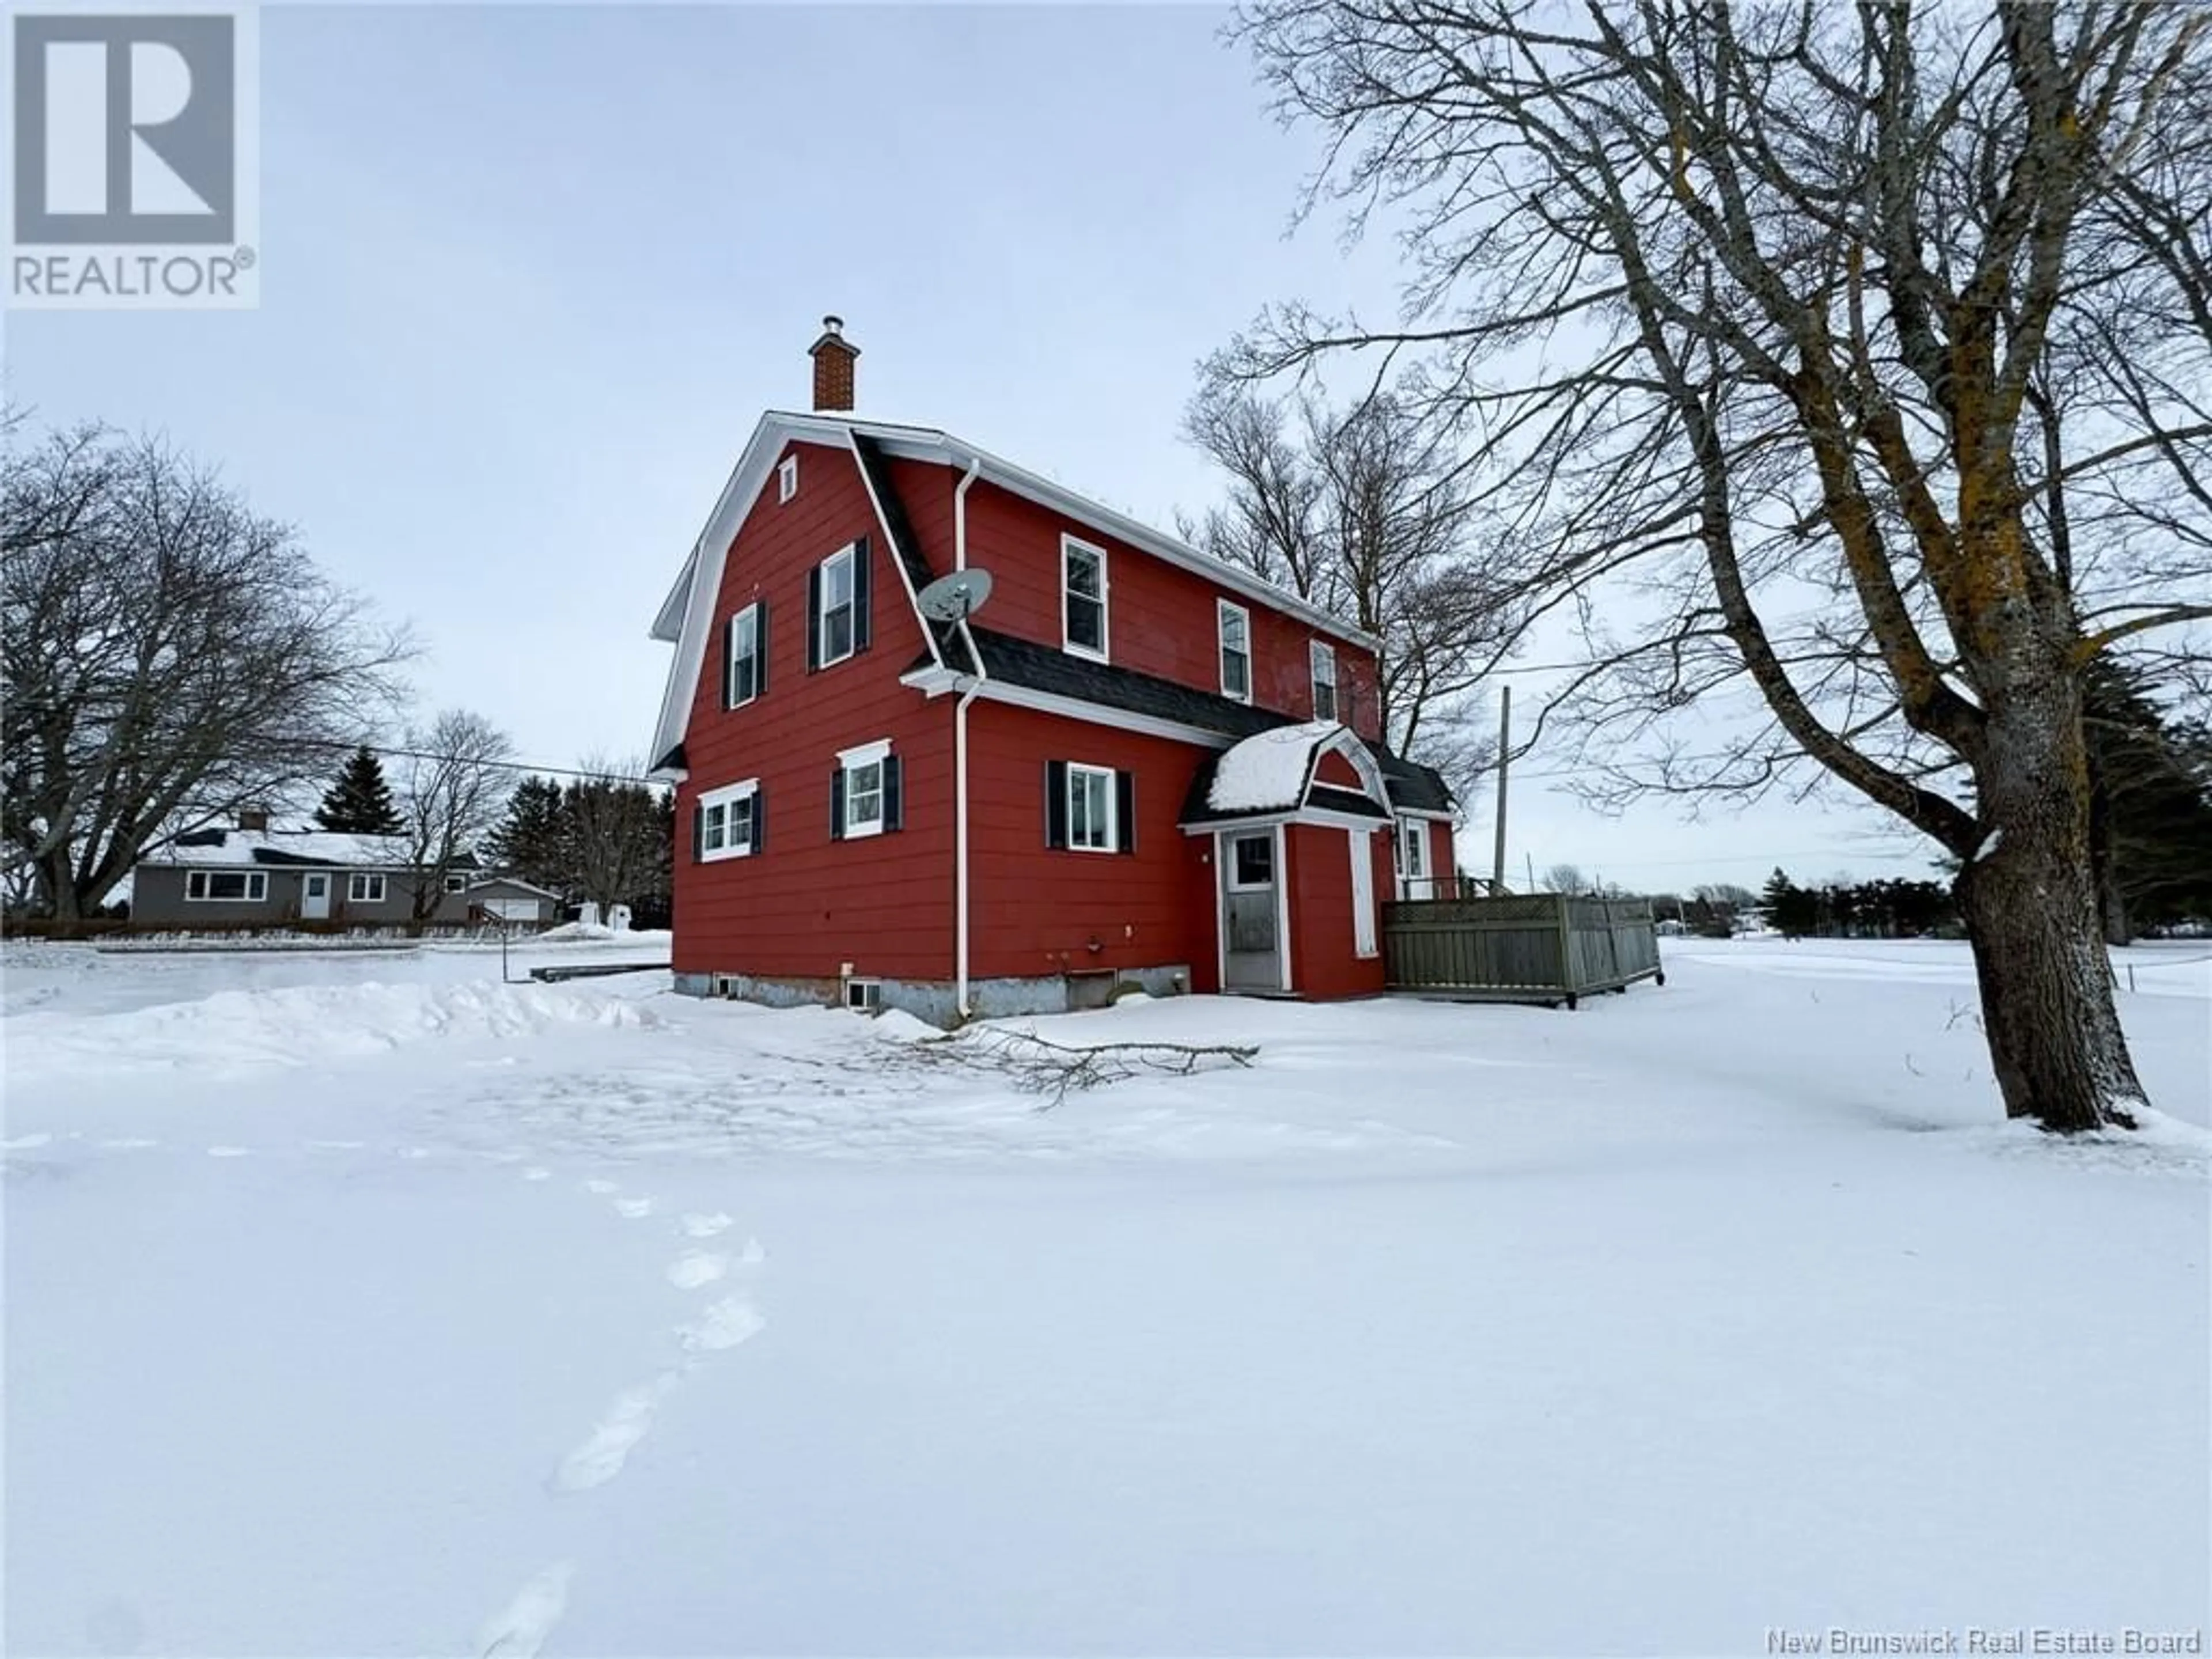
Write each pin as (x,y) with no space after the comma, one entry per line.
(1534,947)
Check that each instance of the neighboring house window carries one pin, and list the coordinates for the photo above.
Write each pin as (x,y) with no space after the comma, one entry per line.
(866,792)
(365,890)
(787,478)
(246,886)
(726,822)
(745,653)
(1083,598)
(1324,681)
(457,883)
(1236,624)
(837,606)
(1090,809)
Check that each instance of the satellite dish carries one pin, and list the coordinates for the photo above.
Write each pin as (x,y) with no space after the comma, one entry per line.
(955,597)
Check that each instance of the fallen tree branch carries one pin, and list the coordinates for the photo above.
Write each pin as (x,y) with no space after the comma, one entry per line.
(1041,1067)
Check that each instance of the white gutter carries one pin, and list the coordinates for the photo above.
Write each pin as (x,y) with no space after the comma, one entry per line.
(960,754)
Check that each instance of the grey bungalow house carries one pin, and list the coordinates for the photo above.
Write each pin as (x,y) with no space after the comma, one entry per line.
(276,876)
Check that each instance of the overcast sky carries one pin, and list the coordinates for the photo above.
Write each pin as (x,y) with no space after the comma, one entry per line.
(530,274)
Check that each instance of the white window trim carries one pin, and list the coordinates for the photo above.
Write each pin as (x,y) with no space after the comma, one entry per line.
(1223,609)
(730,691)
(456,882)
(1103,654)
(849,553)
(1078,770)
(853,760)
(357,879)
(787,478)
(256,887)
(1318,653)
(1366,943)
(725,798)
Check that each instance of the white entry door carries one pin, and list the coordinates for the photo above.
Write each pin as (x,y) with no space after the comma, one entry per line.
(315,895)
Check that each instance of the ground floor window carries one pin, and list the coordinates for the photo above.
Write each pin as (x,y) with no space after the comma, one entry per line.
(240,886)
(365,890)
(726,824)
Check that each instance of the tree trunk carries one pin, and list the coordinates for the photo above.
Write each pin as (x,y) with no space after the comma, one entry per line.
(2111,904)
(2030,904)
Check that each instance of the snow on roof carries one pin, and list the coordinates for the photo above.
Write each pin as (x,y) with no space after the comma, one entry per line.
(287,846)
(1268,769)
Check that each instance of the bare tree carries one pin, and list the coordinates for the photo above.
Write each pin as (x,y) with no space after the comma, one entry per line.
(1745,307)
(1565,879)
(618,834)
(171,657)
(454,785)
(1368,513)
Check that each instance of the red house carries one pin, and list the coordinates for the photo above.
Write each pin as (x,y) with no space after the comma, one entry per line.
(1129,763)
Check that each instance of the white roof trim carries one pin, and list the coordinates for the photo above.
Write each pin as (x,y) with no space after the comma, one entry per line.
(936,682)
(509,881)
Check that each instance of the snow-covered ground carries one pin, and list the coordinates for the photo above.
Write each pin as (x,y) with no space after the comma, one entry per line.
(365,1305)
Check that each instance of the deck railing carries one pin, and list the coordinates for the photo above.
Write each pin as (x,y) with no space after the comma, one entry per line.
(1532,947)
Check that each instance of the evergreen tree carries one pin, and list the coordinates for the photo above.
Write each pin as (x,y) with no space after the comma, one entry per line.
(1791,909)
(533,841)
(2151,825)
(359,802)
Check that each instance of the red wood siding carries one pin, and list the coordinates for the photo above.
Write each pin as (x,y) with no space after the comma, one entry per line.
(1337,772)
(1037,910)
(1160,618)
(806,903)
(1323,961)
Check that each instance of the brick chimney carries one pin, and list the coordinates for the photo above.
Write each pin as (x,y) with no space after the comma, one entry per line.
(833,356)
(253,817)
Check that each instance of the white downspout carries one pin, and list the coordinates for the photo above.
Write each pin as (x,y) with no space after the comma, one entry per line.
(960,752)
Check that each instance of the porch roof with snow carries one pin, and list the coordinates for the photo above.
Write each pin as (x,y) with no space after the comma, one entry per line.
(1276,773)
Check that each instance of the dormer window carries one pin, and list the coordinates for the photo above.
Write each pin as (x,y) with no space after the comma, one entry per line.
(1083,598)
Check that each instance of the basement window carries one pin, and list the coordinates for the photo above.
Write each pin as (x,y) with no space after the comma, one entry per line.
(865,995)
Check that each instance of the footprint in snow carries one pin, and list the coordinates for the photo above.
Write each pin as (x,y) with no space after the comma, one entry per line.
(536,1174)
(230,1151)
(697,1267)
(636,1208)
(600,1458)
(600,1188)
(521,1629)
(705,1226)
(728,1323)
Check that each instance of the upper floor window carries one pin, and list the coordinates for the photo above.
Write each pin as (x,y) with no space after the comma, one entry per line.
(836,606)
(456,882)
(787,478)
(1324,681)
(746,656)
(1083,598)
(726,824)
(1236,624)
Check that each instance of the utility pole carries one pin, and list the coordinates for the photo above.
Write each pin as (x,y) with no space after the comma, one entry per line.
(1504,752)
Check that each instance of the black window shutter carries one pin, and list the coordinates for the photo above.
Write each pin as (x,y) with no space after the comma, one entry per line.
(698,833)
(894,794)
(1055,803)
(813,618)
(1125,810)
(863,587)
(760,816)
(836,803)
(729,648)
(760,649)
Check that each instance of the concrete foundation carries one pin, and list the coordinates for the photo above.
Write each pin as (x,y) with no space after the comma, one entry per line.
(933,999)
